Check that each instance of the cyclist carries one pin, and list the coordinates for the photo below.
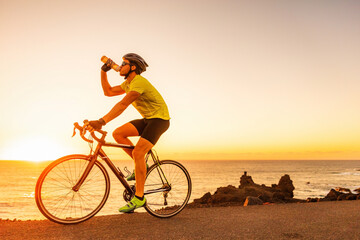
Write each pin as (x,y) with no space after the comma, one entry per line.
(152,107)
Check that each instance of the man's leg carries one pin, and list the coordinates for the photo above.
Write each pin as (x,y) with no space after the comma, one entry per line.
(122,133)
(142,147)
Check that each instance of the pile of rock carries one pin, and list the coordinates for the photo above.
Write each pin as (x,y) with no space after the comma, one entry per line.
(338,194)
(249,193)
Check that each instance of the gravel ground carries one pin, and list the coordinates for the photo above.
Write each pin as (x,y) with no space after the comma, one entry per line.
(323,220)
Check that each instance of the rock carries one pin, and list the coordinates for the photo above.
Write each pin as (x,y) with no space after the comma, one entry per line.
(279,196)
(313,200)
(286,186)
(341,197)
(204,199)
(253,201)
(265,197)
(333,195)
(253,191)
(228,194)
(350,197)
(246,180)
(357,190)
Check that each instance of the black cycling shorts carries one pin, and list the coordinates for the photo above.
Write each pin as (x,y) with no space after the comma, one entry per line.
(151,129)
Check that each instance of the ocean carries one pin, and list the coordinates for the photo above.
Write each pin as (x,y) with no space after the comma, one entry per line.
(310,178)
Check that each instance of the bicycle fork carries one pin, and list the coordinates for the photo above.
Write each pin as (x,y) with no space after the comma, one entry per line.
(85,174)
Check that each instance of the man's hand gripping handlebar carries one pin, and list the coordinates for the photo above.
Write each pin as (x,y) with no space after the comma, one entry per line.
(83,130)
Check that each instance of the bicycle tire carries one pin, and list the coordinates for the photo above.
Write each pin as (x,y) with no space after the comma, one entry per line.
(170,174)
(59,203)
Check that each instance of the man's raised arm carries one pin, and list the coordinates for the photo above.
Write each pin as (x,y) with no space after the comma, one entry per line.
(108,90)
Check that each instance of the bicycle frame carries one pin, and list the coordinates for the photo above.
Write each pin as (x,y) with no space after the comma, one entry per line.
(100,152)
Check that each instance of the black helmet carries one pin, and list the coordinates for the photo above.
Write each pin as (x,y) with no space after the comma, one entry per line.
(136,60)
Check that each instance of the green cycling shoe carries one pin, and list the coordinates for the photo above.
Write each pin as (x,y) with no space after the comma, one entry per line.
(132,205)
(132,176)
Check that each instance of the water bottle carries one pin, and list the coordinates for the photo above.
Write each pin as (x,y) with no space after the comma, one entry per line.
(113,66)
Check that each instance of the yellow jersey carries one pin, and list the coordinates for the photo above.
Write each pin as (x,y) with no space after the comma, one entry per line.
(150,103)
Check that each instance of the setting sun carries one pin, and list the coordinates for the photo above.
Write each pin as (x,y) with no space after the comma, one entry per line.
(35,149)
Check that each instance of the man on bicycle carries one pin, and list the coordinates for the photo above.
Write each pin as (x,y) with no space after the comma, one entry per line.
(152,107)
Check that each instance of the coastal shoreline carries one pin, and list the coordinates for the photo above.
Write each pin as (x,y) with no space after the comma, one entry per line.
(321,220)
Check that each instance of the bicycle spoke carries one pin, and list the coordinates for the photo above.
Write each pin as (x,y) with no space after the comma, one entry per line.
(58,200)
(176,185)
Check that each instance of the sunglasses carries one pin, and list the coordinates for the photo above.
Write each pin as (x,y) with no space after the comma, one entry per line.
(124,63)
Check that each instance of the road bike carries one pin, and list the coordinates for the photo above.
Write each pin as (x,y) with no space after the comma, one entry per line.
(74,188)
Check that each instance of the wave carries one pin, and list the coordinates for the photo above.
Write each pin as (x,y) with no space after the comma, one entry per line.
(6,205)
(348,173)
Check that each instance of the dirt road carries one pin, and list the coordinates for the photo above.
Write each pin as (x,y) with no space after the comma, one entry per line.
(325,220)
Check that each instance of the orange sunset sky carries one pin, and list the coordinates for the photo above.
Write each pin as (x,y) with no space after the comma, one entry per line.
(242,79)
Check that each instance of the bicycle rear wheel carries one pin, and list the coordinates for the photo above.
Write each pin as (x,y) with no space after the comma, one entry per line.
(57,200)
(167,189)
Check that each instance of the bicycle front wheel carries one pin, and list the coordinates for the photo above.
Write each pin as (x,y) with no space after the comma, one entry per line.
(57,200)
(167,189)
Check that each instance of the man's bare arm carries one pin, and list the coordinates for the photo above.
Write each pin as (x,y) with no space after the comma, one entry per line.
(108,90)
(121,106)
